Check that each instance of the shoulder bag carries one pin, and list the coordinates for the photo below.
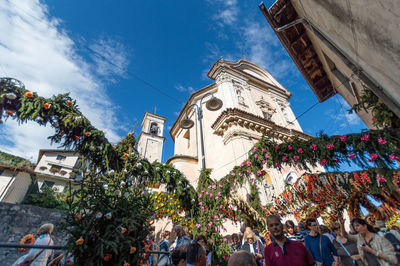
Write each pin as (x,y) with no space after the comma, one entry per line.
(317,263)
(348,253)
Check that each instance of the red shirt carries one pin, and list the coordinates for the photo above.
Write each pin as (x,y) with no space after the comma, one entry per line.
(294,253)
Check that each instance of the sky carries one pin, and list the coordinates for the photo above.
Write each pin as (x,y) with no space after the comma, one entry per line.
(120,59)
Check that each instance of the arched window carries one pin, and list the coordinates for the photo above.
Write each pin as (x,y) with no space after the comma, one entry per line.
(154,129)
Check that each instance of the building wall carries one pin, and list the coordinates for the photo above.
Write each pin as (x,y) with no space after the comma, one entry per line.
(366,30)
(19,187)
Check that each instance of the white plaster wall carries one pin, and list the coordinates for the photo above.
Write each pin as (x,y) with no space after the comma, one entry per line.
(18,189)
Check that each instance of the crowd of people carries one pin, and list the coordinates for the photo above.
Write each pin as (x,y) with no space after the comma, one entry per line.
(288,244)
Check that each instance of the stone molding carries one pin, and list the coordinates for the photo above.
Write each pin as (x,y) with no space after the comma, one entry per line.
(253,123)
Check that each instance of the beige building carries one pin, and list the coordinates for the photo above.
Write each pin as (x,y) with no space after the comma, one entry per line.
(14,183)
(343,46)
(254,103)
(54,168)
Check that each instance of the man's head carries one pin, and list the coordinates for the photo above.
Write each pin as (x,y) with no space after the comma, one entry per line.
(242,258)
(179,230)
(196,255)
(275,226)
(312,224)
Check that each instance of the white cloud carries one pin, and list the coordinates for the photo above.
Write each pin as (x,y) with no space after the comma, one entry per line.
(36,50)
(343,116)
(180,88)
(226,11)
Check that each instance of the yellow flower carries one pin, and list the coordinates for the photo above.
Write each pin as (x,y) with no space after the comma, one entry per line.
(123,230)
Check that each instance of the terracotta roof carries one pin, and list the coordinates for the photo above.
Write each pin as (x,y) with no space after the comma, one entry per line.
(299,46)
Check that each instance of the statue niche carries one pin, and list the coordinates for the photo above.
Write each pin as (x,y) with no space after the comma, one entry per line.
(266,108)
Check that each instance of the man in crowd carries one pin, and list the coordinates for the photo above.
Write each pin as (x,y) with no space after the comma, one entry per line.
(181,238)
(320,247)
(242,258)
(282,251)
(196,255)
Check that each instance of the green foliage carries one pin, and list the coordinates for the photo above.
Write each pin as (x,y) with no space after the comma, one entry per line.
(254,198)
(11,160)
(382,115)
(47,198)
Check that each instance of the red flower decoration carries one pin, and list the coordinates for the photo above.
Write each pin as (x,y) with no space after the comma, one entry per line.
(129,134)
(107,257)
(125,155)
(352,156)
(46,106)
(113,147)
(300,150)
(62,133)
(9,112)
(87,134)
(29,94)
(77,137)
(343,138)
(70,103)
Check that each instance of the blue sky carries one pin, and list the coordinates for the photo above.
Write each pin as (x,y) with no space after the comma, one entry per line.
(67,46)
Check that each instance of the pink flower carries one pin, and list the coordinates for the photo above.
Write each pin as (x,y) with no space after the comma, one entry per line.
(211,242)
(254,179)
(290,147)
(202,208)
(198,225)
(381,179)
(255,155)
(248,163)
(232,190)
(210,224)
(313,147)
(284,158)
(263,150)
(382,141)
(267,155)
(209,187)
(205,229)
(277,147)
(259,172)
(235,181)
(221,206)
(330,146)
(352,156)
(323,162)
(220,186)
(200,203)
(300,150)
(200,196)
(264,161)
(373,156)
(219,194)
(233,174)
(365,137)
(393,157)
(343,138)
(216,198)
(248,171)
(255,149)
(227,181)
(241,165)
(225,240)
(210,195)
(202,191)
(295,158)
(240,174)
(277,165)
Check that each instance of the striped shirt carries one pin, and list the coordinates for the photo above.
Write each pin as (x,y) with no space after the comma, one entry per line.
(295,237)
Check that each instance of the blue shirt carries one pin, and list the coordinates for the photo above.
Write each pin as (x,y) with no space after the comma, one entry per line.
(327,248)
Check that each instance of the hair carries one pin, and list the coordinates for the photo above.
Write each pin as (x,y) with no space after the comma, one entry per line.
(363,222)
(255,231)
(335,225)
(202,237)
(178,254)
(242,258)
(166,234)
(310,220)
(324,229)
(289,223)
(235,236)
(249,234)
(45,229)
(193,252)
(273,217)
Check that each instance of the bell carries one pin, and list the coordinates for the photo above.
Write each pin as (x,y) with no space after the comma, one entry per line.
(214,104)
(186,123)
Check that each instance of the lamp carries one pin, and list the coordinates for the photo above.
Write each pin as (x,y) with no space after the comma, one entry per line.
(186,123)
(214,104)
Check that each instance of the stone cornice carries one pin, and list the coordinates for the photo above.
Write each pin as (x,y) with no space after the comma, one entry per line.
(181,157)
(236,117)
(148,134)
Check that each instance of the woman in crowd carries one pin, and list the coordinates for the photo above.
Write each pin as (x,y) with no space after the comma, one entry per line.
(253,246)
(346,248)
(178,256)
(39,257)
(202,240)
(291,233)
(374,250)
(164,259)
(235,245)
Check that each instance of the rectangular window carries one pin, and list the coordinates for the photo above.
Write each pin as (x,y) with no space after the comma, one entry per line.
(55,169)
(61,158)
(48,184)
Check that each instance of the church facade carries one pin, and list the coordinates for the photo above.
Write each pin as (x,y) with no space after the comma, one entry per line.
(254,103)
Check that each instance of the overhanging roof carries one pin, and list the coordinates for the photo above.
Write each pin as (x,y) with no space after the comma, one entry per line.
(299,46)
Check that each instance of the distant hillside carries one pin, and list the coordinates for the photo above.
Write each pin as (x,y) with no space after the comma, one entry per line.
(8,159)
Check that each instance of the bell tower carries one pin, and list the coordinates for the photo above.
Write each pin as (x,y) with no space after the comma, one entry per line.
(151,139)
